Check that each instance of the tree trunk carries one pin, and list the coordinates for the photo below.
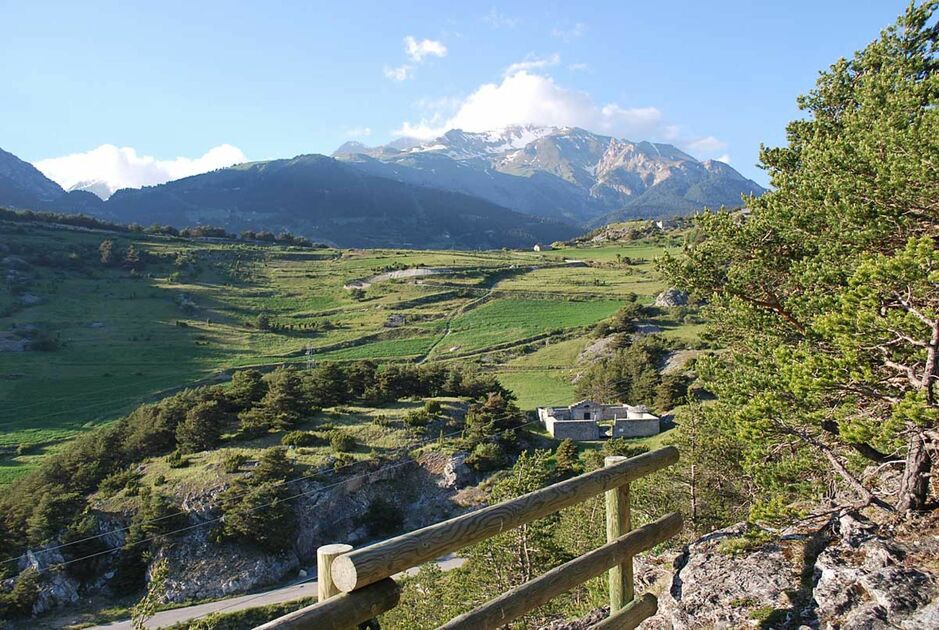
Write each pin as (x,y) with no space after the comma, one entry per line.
(914,487)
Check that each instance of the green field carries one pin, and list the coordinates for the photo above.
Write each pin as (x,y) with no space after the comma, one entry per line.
(192,311)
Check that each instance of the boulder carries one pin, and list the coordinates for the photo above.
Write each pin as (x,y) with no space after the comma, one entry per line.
(671,297)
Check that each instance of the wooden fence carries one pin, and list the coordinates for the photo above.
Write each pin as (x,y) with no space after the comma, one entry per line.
(357,584)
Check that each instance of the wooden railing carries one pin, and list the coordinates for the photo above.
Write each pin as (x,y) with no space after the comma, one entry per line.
(363,577)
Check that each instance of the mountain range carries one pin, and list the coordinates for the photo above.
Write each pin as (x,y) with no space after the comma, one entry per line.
(508,188)
(311,195)
(565,173)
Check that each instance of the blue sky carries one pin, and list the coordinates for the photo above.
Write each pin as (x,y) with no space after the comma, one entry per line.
(274,79)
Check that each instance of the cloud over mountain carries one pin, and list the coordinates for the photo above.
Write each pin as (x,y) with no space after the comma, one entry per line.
(524,97)
(109,168)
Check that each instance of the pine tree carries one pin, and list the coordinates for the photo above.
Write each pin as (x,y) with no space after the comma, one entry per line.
(566,457)
(826,294)
(201,428)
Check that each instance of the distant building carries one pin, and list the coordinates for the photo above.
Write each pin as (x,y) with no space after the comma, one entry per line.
(581,421)
(541,248)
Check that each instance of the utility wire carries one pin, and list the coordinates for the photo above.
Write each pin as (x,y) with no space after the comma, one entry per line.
(222,517)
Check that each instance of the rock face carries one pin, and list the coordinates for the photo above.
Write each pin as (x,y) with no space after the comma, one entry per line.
(836,574)
(328,513)
(671,297)
(868,581)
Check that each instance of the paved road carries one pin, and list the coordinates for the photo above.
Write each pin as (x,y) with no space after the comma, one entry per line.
(296,590)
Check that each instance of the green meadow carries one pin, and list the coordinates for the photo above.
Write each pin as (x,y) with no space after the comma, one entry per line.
(196,309)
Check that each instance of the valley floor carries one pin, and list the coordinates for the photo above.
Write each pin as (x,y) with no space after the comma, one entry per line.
(190,311)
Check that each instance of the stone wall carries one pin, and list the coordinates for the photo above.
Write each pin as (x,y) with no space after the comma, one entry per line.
(636,428)
(577,430)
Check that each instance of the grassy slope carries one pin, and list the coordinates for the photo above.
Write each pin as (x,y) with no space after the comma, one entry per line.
(139,351)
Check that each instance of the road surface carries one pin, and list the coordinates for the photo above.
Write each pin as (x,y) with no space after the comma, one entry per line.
(297,590)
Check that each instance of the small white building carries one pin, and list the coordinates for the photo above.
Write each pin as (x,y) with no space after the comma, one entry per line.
(541,248)
(581,420)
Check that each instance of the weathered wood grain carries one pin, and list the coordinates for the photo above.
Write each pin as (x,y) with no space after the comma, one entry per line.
(325,555)
(365,566)
(631,616)
(619,522)
(530,595)
(342,611)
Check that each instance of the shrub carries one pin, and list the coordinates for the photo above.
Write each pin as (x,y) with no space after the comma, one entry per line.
(486,456)
(176,460)
(260,516)
(19,601)
(566,457)
(117,481)
(417,418)
(299,438)
(341,442)
(233,461)
(383,421)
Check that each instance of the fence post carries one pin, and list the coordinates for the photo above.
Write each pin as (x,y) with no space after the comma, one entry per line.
(618,523)
(326,588)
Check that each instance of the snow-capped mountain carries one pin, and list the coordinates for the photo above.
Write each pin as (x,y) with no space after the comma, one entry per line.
(98,187)
(564,172)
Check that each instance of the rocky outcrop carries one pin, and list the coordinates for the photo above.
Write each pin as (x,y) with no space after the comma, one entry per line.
(841,573)
(327,512)
(869,581)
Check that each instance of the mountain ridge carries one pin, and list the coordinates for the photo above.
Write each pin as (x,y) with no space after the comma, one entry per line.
(599,178)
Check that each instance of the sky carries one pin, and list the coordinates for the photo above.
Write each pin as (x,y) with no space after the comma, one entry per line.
(138,93)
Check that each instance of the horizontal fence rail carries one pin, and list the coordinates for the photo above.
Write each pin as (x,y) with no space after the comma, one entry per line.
(631,616)
(367,565)
(539,591)
(363,577)
(341,612)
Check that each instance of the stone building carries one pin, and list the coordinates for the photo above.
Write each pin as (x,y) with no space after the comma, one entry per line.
(581,421)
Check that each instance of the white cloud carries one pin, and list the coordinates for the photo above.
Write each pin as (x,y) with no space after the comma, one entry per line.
(124,168)
(578,67)
(725,158)
(532,62)
(400,73)
(707,144)
(416,50)
(359,132)
(569,34)
(497,19)
(529,98)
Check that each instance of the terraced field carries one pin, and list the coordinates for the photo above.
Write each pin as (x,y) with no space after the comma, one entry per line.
(196,308)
